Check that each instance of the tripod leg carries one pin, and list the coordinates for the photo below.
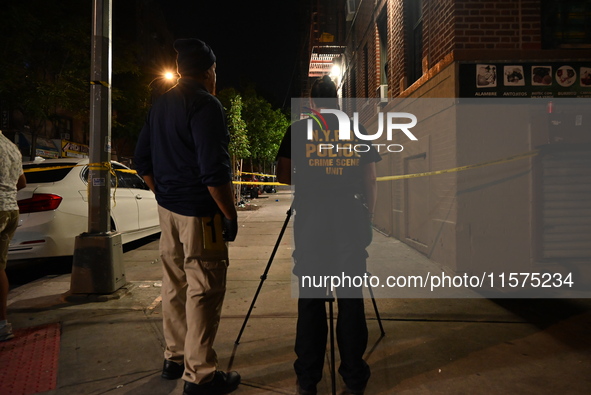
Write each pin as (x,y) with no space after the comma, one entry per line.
(264,276)
(332,353)
(375,307)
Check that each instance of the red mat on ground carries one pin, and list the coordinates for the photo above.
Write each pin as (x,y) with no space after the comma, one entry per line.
(29,361)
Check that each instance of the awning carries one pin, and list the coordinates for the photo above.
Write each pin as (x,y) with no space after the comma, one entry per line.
(45,148)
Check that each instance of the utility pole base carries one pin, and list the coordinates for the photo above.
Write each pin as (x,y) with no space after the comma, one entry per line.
(98,264)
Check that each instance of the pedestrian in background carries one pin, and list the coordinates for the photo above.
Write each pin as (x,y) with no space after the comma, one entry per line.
(12,179)
(334,201)
(182,154)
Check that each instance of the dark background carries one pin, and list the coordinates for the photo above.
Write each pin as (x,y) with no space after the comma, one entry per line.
(255,42)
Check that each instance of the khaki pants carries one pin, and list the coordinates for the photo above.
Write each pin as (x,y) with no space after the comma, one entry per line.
(8,225)
(195,260)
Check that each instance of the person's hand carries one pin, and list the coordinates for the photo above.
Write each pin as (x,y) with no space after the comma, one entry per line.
(230,229)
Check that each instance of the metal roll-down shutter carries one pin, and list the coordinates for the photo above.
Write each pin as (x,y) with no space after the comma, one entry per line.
(566,205)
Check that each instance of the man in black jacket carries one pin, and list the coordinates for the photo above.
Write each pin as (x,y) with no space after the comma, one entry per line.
(182,154)
(334,200)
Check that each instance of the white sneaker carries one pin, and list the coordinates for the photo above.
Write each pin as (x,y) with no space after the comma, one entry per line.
(6,332)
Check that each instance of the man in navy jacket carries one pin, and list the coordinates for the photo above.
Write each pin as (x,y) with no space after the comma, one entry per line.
(182,154)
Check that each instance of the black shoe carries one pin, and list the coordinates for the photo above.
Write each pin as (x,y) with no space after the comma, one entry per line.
(172,370)
(351,391)
(222,383)
(307,390)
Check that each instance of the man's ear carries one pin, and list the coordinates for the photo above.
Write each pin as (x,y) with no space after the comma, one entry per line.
(207,74)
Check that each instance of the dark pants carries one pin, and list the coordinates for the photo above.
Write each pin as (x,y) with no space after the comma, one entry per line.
(330,238)
(311,336)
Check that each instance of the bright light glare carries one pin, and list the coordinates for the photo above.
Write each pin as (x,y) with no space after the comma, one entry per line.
(168,75)
(336,71)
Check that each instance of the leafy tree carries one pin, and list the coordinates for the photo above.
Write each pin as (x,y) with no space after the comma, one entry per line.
(239,143)
(45,67)
(266,127)
(42,64)
(130,95)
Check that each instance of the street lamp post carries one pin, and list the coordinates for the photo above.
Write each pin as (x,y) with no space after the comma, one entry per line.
(166,76)
(98,255)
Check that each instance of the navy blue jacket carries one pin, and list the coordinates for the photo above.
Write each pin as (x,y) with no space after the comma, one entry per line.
(184,146)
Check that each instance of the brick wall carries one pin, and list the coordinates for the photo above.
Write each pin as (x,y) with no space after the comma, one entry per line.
(460,24)
(364,31)
(499,24)
(396,46)
(438,29)
(448,25)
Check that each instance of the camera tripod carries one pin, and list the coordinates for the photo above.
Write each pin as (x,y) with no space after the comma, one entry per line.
(330,301)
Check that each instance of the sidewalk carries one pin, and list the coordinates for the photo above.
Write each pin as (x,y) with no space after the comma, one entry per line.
(431,346)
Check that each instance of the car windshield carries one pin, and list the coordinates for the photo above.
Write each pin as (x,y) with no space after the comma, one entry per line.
(38,173)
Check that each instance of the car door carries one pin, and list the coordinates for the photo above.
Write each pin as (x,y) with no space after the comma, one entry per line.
(124,211)
(144,198)
(124,206)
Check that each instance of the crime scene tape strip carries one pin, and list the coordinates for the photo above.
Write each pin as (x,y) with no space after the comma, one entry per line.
(462,168)
(38,169)
(103,83)
(107,166)
(93,166)
(255,174)
(426,174)
(257,183)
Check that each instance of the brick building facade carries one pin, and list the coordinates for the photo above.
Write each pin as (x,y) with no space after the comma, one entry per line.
(522,214)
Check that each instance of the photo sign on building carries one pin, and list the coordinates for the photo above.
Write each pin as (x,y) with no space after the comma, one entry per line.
(533,79)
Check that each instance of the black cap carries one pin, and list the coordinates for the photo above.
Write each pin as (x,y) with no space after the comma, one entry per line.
(193,56)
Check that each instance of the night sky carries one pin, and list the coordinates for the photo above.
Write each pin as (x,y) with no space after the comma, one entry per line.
(257,42)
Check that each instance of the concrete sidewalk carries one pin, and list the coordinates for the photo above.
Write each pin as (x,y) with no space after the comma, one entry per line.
(464,345)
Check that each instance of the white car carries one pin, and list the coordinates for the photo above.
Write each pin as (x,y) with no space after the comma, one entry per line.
(54,208)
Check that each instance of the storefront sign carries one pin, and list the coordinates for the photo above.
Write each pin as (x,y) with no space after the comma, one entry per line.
(535,80)
(74,150)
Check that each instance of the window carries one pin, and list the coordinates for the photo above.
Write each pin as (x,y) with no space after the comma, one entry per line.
(383,35)
(353,83)
(131,180)
(414,11)
(124,178)
(566,24)
(64,128)
(366,71)
(54,175)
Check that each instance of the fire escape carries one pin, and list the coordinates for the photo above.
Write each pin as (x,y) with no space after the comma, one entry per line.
(326,38)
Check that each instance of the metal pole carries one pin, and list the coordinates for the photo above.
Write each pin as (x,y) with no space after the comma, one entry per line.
(333,376)
(264,275)
(99,207)
(375,307)
(98,255)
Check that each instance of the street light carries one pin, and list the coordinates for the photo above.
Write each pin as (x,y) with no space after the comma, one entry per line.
(165,80)
(167,76)
(335,72)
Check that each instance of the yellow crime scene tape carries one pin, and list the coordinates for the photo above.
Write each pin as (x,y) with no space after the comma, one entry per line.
(462,168)
(256,183)
(103,83)
(426,174)
(255,174)
(92,166)
(107,166)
